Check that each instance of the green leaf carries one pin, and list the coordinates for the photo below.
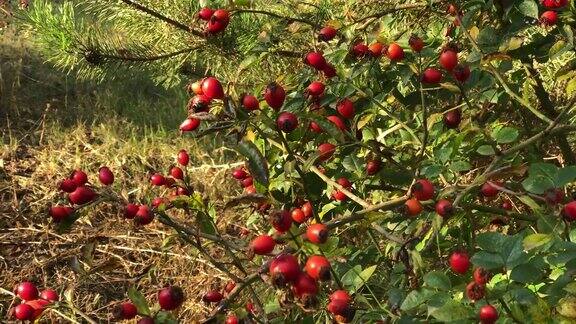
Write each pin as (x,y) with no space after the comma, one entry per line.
(416,298)
(486,150)
(490,241)
(437,279)
(139,301)
(488,39)
(487,260)
(565,176)
(353,164)
(256,162)
(164,317)
(452,311)
(460,166)
(363,277)
(529,8)
(538,184)
(535,240)
(525,273)
(505,135)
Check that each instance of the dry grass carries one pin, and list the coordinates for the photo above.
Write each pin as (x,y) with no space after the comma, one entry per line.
(50,125)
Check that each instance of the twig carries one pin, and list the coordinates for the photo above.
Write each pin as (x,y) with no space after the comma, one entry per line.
(149,58)
(333,183)
(158,15)
(275,15)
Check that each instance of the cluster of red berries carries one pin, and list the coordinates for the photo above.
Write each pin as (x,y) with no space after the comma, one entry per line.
(550,16)
(33,302)
(216,20)
(204,91)
(476,289)
(245,179)
(169,298)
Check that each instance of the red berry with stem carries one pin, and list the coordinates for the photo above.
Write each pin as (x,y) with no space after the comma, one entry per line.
(488,314)
(125,311)
(250,190)
(263,244)
(459,262)
(360,50)
(327,33)
(221,14)
(475,291)
(549,18)
(287,122)
(144,215)
(329,71)
(412,207)
(461,73)
(316,89)
(230,285)
(345,108)
(24,312)
(376,49)
(481,276)
(274,95)
(80,177)
(38,305)
(177,173)
(183,158)
(247,182)
(373,166)
(27,291)
(315,60)
(452,118)
(205,13)
(212,296)
(130,210)
(250,102)
(60,213)
(489,190)
(281,220)
(444,208)
(317,233)
(307,209)
(431,76)
(232,320)
(569,211)
(395,52)
(284,269)
(305,286)
(212,88)
(82,195)
(416,43)
(337,121)
(318,267)
(315,127)
(342,295)
(157,179)
(189,124)
(170,298)
(199,103)
(423,189)
(239,174)
(448,59)
(105,176)
(338,307)
(49,295)
(326,150)
(298,216)
(68,185)
(506,204)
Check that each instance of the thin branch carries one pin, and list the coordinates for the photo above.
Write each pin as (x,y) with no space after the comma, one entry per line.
(149,58)
(275,15)
(406,6)
(160,16)
(333,183)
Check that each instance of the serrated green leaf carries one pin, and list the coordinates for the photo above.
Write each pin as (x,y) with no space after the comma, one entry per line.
(565,176)
(487,260)
(452,311)
(485,150)
(437,279)
(529,8)
(139,301)
(257,164)
(416,298)
(533,241)
(505,135)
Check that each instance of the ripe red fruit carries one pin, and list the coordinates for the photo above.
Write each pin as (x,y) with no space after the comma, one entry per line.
(444,208)
(49,295)
(569,211)
(549,18)
(263,244)
(507,205)
(81,195)
(212,88)
(181,191)
(105,176)
(326,150)
(218,22)
(338,307)
(315,60)
(488,190)
(345,108)
(339,123)
(342,295)
(315,127)
(305,286)
(199,103)
(38,305)
(144,216)
(481,276)
(318,267)
(373,166)
(183,157)
(157,179)
(170,297)
(376,49)
(554,196)
(24,312)
(412,207)
(59,213)
(329,71)
(239,174)
(461,73)
(177,173)
(250,102)
(250,190)
(195,87)
(475,291)
(68,185)
(317,233)
(488,314)
(316,89)
(448,60)
(247,182)
(339,195)
(452,9)
(554,4)
(287,122)
(205,13)
(307,209)
(423,189)
(27,291)
(250,308)
(395,52)
(156,202)
(232,320)
(459,262)
(327,33)
(416,43)
(431,76)
(146,320)
(230,285)
(125,310)
(274,95)
(79,177)
(452,118)
(281,220)
(360,50)
(212,296)
(298,216)
(283,269)
(130,210)
(189,124)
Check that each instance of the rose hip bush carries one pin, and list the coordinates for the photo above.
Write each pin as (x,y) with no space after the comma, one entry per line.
(394,172)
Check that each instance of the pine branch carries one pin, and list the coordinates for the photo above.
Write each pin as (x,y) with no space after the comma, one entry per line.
(275,15)
(149,58)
